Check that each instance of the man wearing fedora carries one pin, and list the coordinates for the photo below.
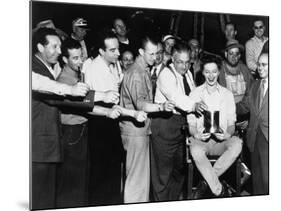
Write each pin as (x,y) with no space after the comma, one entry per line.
(236,77)
(234,74)
(79,32)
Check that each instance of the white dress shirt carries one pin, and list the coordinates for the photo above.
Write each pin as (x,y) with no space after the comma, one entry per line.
(170,87)
(101,77)
(252,51)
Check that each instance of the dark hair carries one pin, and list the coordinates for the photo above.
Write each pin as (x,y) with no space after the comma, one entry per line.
(69,44)
(211,59)
(104,35)
(40,36)
(231,23)
(148,38)
(180,47)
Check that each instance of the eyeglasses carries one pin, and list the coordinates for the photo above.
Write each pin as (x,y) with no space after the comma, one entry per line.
(258,27)
(234,53)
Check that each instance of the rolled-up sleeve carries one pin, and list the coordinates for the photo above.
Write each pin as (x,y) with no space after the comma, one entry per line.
(139,94)
(167,84)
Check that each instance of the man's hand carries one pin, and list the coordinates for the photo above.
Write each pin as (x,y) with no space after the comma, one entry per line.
(222,136)
(202,136)
(168,106)
(110,97)
(200,107)
(242,125)
(113,113)
(140,116)
(79,89)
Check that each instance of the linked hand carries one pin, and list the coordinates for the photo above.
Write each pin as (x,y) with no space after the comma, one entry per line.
(168,106)
(140,116)
(79,89)
(114,113)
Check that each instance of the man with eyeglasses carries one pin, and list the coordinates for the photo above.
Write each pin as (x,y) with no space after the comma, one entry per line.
(234,74)
(254,45)
(256,102)
(168,140)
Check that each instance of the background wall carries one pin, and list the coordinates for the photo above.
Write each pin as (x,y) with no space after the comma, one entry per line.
(99,16)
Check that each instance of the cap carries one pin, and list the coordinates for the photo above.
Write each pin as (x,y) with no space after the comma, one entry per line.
(46,24)
(233,44)
(169,36)
(80,22)
(193,42)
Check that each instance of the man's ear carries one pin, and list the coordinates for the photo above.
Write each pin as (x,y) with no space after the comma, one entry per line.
(101,51)
(40,47)
(141,51)
(225,54)
(64,59)
(113,30)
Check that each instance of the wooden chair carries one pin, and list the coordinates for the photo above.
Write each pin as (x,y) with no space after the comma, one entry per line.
(191,167)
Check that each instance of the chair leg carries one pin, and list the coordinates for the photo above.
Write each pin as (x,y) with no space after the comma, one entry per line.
(238,177)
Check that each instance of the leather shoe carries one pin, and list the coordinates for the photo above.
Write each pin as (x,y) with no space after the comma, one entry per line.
(201,189)
(225,191)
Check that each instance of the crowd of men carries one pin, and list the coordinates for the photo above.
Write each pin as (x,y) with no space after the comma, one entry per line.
(114,126)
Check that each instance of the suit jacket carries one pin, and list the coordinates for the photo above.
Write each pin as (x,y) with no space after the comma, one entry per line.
(258,116)
(46,144)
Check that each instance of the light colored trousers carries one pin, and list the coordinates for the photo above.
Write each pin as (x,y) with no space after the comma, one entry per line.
(137,169)
(228,150)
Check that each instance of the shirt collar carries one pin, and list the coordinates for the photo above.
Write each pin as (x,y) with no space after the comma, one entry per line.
(176,72)
(218,87)
(263,40)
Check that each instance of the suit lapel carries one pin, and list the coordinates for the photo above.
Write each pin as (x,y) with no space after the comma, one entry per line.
(256,96)
(265,100)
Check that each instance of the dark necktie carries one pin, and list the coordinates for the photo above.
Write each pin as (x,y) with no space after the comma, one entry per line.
(261,92)
(153,80)
(185,84)
(191,69)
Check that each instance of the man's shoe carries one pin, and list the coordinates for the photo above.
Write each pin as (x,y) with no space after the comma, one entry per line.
(225,191)
(201,189)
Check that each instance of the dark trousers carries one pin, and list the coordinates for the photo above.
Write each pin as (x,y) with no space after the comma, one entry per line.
(106,153)
(43,180)
(260,164)
(73,172)
(167,157)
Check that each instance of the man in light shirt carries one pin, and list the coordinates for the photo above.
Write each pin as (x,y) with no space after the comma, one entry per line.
(103,74)
(168,140)
(136,94)
(254,45)
(217,139)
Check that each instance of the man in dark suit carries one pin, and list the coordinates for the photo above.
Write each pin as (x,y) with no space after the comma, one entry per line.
(46,145)
(256,102)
